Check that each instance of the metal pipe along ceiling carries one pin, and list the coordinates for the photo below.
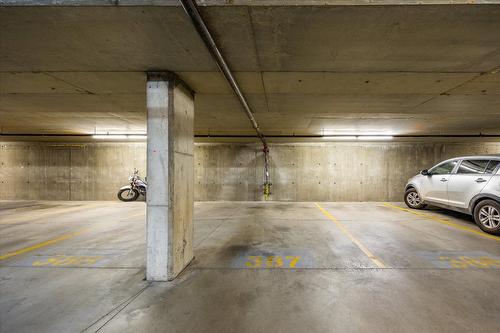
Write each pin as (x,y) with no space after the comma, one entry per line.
(192,11)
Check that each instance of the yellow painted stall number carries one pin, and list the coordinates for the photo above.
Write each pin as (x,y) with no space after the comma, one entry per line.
(464,262)
(272,261)
(63,260)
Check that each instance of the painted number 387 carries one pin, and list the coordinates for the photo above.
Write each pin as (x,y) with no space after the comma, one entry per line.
(272,261)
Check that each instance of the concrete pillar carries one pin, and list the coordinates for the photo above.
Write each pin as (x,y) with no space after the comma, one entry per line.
(170,171)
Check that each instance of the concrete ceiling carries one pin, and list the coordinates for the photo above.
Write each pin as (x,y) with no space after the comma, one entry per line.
(412,70)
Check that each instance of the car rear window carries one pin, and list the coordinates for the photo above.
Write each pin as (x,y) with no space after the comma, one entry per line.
(492,166)
(472,166)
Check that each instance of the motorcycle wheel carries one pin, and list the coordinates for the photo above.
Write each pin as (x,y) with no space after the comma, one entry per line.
(128,195)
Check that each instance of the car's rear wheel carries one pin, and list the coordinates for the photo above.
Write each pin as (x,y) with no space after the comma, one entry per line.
(487,216)
(413,200)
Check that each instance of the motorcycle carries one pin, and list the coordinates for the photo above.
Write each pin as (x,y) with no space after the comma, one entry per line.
(137,187)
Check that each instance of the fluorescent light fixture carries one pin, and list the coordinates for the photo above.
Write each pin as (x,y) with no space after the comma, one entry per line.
(340,137)
(357,132)
(340,131)
(375,137)
(119,136)
(109,137)
(137,136)
(384,133)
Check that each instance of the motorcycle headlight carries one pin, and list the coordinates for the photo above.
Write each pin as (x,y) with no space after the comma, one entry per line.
(130,178)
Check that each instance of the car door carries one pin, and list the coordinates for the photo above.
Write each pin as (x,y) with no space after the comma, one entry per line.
(434,187)
(471,177)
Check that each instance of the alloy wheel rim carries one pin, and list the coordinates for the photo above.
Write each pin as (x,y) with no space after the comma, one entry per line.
(413,199)
(489,217)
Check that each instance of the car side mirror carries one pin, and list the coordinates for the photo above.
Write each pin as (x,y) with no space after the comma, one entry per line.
(425,172)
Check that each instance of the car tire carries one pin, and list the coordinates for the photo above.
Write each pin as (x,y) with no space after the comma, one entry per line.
(487,216)
(412,199)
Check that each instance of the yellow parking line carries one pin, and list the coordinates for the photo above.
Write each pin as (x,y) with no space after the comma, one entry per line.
(39,245)
(444,221)
(363,248)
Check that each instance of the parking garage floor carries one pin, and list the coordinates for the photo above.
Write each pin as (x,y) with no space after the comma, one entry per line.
(259,267)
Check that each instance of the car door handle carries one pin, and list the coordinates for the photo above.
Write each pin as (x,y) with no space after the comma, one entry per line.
(444,179)
(480,180)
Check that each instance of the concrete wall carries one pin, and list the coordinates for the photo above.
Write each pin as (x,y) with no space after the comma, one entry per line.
(299,172)
(60,171)
(320,171)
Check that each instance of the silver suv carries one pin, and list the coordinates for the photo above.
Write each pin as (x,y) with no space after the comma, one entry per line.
(469,184)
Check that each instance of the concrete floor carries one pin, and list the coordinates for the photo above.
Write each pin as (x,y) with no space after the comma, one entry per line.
(346,267)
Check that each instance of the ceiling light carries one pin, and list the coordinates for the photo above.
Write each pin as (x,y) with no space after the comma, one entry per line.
(137,137)
(339,137)
(120,136)
(375,137)
(357,132)
(109,137)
